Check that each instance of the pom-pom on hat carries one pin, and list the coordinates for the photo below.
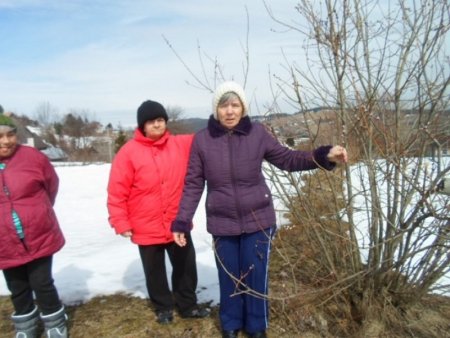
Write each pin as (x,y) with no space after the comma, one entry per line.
(6,121)
(227,87)
(150,110)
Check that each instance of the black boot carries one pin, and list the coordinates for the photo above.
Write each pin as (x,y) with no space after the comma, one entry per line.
(26,325)
(164,316)
(230,334)
(261,334)
(197,312)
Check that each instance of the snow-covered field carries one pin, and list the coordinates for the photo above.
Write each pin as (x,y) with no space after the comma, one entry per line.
(95,261)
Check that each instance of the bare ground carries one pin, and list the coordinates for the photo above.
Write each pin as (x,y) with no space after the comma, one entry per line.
(130,317)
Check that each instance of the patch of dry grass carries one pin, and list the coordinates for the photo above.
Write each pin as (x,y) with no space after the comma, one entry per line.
(121,316)
(124,316)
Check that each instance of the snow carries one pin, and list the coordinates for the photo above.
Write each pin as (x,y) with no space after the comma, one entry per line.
(95,261)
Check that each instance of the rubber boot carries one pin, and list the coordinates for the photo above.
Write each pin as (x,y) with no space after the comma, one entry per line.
(26,325)
(55,324)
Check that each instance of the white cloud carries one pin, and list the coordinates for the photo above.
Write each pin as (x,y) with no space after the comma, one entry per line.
(110,55)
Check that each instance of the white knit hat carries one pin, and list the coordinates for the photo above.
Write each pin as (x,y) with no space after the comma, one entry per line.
(227,87)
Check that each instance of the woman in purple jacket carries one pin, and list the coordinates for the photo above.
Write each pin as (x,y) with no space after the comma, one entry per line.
(29,235)
(228,155)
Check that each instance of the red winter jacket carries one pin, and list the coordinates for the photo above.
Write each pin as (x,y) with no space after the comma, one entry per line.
(145,186)
(28,184)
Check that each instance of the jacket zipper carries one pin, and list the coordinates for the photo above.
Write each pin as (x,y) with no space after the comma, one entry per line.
(233,181)
(18,226)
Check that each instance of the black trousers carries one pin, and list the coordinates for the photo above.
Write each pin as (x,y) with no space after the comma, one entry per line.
(184,275)
(33,277)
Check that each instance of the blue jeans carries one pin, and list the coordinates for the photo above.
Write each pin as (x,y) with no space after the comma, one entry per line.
(242,262)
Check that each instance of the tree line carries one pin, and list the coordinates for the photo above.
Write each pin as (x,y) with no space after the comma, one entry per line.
(82,137)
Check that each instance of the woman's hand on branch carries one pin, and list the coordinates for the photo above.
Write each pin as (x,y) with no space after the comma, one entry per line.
(338,154)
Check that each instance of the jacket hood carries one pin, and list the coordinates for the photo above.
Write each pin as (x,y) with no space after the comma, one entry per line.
(216,129)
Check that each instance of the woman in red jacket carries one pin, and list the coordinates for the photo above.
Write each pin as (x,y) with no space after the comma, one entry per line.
(144,190)
(29,234)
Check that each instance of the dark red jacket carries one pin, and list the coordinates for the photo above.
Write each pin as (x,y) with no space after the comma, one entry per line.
(28,184)
(230,162)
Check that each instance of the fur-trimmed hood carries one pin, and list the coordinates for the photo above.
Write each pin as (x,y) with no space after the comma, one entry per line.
(216,129)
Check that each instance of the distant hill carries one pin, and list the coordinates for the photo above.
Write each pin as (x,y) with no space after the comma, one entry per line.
(194,124)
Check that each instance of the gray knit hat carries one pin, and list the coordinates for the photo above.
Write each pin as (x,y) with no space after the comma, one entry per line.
(227,87)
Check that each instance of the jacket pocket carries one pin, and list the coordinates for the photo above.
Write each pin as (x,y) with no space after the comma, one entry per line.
(262,198)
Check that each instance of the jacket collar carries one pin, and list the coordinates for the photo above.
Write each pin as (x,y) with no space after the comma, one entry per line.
(141,138)
(216,129)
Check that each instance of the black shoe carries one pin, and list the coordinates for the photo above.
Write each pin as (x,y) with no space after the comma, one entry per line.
(261,334)
(230,334)
(196,313)
(164,317)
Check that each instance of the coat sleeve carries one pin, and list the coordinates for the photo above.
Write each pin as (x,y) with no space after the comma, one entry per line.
(119,187)
(186,141)
(51,180)
(295,160)
(192,192)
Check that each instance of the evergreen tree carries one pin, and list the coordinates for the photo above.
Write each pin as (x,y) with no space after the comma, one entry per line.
(120,140)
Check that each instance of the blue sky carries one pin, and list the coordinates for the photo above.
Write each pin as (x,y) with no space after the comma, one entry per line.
(106,57)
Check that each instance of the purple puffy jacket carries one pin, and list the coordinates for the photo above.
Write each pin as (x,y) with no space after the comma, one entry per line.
(230,162)
(28,185)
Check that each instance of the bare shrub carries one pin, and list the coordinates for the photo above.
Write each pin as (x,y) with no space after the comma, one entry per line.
(381,244)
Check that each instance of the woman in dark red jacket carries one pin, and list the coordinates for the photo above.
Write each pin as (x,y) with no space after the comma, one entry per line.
(144,190)
(228,155)
(29,234)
